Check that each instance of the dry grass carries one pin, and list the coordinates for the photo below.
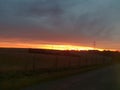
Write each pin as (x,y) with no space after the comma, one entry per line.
(18,68)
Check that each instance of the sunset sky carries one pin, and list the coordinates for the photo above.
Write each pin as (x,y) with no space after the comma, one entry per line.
(33,23)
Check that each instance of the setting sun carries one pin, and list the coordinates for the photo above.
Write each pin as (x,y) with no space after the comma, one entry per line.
(65,47)
(48,46)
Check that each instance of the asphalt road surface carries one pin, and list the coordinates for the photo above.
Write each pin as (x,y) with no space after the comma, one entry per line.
(103,79)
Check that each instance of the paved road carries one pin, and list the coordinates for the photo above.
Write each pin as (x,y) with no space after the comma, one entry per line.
(102,79)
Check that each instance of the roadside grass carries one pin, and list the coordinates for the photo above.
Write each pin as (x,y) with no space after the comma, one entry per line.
(17,81)
(20,70)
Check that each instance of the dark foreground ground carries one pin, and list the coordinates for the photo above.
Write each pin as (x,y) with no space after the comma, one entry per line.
(103,79)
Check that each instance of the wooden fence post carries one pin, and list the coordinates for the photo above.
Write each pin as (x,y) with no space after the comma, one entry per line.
(33,64)
(56,62)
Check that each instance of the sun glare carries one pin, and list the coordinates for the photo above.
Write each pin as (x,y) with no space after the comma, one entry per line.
(48,46)
(66,47)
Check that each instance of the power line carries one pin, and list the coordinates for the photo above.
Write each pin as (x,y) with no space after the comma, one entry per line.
(94,45)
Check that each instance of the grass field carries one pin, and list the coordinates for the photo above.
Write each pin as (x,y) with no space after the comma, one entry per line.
(18,68)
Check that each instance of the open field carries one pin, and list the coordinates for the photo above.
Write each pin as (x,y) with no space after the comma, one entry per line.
(107,78)
(23,61)
(20,65)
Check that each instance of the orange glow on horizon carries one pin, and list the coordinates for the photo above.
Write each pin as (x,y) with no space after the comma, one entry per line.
(67,47)
(46,46)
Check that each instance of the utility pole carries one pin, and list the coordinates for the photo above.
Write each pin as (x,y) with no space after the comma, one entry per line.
(94,45)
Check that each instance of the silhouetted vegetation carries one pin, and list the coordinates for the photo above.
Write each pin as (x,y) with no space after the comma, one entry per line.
(19,63)
(28,60)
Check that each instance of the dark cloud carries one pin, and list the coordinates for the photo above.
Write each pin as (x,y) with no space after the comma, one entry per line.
(60,20)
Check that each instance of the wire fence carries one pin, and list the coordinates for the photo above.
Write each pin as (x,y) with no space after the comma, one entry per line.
(30,62)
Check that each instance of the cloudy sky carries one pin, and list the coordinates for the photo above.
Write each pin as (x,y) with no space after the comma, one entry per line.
(73,22)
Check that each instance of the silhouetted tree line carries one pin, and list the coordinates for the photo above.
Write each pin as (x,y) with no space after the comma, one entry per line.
(74,53)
